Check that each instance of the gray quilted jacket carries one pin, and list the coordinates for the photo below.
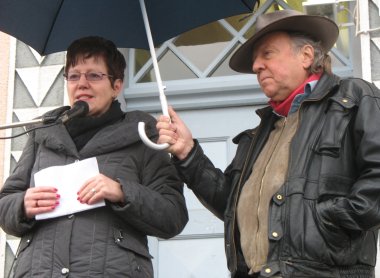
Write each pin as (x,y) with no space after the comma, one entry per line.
(110,241)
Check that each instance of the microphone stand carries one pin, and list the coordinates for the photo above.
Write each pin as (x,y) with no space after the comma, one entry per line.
(80,109)
(46,121)
(12,125)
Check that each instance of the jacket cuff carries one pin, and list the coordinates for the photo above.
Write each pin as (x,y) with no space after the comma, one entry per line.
(195,151)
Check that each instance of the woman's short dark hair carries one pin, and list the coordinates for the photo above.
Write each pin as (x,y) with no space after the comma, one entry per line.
(97,47)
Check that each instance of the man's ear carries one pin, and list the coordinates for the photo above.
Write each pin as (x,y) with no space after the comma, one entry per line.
(308,55)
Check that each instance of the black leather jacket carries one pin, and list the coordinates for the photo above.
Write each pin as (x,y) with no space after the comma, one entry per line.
(327,213)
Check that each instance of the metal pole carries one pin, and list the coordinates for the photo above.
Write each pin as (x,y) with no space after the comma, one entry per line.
(18,124)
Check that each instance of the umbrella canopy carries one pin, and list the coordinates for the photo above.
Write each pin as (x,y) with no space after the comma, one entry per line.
(50,26)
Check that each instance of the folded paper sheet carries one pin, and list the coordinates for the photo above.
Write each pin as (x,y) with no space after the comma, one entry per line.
(68,179)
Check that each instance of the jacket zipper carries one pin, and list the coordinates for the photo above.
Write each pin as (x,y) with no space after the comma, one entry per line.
(249,155)
(286,228)
(262,179)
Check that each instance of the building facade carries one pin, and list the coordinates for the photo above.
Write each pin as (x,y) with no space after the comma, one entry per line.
(216,102)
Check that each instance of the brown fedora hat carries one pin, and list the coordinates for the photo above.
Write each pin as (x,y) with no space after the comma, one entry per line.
(317,27)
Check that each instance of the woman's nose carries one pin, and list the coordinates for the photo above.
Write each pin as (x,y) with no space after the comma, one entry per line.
(82,80)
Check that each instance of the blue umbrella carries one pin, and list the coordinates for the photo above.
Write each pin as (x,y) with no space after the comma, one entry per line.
(50,26)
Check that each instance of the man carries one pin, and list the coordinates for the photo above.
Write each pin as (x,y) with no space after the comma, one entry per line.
(301,197)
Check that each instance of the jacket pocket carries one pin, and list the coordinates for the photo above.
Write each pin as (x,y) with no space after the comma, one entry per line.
(334,235)
(24,243)
(22,263)
(342,247)
(124,240)
(338,115)
(136,260)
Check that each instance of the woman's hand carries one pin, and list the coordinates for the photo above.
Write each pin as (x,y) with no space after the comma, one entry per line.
(40,199)
(100,188)
(174,132)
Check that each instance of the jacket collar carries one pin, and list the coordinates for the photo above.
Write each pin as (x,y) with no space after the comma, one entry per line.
(108,139)
(326,84)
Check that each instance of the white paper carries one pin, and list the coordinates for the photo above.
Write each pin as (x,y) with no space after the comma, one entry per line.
(68,179)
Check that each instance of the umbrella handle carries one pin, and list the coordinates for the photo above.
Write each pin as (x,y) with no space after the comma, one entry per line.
(146,140)
(141,126)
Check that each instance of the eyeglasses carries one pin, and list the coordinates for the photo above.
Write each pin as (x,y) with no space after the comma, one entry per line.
(90,76)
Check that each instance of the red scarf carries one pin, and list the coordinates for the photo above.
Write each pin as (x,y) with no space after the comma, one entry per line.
(282,108)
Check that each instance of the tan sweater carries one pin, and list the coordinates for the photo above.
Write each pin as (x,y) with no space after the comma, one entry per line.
(267,176)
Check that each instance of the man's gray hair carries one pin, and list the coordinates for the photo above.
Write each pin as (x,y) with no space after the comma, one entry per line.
(322,60)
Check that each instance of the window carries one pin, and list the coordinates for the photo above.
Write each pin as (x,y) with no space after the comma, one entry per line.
(199,58)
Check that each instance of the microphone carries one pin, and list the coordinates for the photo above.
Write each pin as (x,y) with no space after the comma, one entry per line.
(79,109)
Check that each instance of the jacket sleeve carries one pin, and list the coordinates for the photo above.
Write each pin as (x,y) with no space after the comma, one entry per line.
(156,206)
(360,209)
(211,185)
(12,215)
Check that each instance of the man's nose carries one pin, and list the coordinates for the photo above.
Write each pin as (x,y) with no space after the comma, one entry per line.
(257,65)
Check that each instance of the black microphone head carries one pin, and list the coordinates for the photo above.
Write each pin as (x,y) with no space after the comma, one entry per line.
(79,109)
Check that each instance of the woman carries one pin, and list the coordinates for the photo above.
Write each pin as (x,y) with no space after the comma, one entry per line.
(142,192)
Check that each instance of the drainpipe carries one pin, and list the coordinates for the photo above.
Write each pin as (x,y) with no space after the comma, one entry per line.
(365,39)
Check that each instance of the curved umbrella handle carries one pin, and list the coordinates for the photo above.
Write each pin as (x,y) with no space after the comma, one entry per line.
(141,126)
(146,140)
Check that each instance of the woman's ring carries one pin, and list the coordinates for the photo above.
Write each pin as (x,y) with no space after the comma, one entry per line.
(93,191)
